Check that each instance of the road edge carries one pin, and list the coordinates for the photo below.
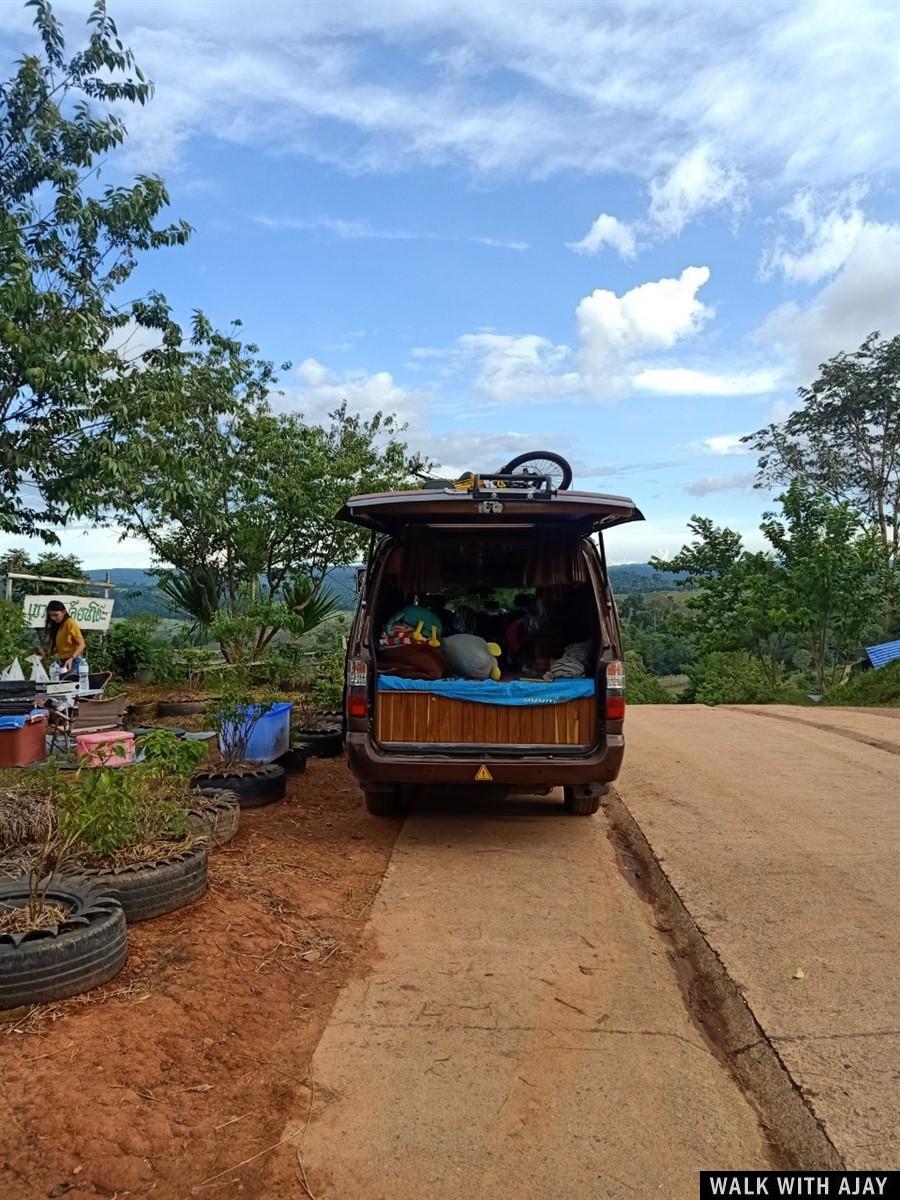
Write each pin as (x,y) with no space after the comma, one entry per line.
(719,1007)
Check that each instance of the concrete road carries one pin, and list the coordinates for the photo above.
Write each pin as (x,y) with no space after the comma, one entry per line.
(780,830)
(518,1031)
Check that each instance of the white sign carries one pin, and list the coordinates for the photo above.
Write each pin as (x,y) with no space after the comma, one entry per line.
(89,612)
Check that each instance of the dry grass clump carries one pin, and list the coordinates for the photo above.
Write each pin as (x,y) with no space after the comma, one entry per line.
(20,918)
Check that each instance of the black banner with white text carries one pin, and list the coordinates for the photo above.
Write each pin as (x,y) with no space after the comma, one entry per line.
(883,1185)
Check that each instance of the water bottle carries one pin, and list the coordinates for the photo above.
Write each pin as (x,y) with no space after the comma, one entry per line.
(54,672)
(83,675)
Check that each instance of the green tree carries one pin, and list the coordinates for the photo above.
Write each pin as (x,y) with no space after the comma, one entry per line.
(738,599)
(59,566)
(67,246)
(836,576)
(844,439)
(253,497)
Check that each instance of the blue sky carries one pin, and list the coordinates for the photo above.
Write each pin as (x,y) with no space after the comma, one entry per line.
(625,231)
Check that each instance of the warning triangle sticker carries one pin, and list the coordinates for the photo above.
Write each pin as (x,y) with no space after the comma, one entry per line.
(483,775)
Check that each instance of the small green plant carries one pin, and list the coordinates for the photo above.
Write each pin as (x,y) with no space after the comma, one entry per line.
(237,715)
(170,755)
(113,808)
(131,646)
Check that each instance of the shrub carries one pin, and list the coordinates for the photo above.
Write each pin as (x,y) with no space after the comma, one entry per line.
(640,686)
(131,646)
(111,809)
(170,755)
(878,688)
(14,640)
(731,677)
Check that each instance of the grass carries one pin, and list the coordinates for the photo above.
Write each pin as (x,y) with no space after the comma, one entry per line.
(877,688)
(21,918)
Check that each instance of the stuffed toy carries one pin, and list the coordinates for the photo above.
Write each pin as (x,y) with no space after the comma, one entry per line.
(472,657)
(407,625)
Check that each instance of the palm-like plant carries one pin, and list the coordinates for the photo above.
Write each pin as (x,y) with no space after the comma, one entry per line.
(198,593)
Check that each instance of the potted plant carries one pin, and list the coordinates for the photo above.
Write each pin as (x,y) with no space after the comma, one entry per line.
(126,829)
(315,733)
(59,937)
(212,814)
(236,718)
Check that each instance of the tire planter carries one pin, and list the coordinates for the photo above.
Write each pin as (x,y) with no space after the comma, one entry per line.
(151,889)
(214,815)
(180,708)
(294,760)
(86,949)
(254,786)
(320,743)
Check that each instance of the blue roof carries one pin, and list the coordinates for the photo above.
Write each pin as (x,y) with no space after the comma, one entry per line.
(880,656)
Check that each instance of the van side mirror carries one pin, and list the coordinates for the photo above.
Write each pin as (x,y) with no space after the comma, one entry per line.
(360,580)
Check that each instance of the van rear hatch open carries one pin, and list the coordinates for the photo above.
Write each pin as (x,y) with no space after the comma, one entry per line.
(439,718)
(580,512)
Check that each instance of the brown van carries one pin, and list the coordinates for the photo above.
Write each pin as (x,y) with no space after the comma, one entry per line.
(522,567)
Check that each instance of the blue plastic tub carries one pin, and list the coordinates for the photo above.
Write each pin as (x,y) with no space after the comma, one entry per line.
(271,736)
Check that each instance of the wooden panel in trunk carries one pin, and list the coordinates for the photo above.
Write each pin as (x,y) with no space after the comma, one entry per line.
(422,717)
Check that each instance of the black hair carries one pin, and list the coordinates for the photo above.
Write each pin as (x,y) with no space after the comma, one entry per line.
(50,627)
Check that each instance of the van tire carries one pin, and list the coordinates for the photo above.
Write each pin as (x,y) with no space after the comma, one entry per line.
(386,803)
(580,802)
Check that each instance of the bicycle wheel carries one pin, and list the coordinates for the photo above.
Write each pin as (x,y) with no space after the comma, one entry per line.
(541,462)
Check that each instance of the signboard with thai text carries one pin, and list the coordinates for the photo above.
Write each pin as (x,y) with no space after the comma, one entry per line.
(89,612)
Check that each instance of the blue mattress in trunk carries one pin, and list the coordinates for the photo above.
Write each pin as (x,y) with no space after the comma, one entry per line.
(519,693)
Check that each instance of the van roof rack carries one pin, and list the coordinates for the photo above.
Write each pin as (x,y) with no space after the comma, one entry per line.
(498,486)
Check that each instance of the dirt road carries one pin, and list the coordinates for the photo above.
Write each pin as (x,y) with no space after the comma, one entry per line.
(520,1032)
(780,830)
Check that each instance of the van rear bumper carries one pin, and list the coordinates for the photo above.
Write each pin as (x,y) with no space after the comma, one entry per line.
(376,765)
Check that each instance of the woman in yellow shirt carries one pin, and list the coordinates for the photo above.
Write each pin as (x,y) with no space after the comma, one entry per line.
(65,640)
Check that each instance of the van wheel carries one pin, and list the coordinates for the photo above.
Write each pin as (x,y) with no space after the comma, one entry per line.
(581,802)
(391,803)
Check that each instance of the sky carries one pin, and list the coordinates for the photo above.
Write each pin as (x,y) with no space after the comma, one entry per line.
(624,231)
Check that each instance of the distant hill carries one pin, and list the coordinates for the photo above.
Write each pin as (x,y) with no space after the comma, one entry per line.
(137,591)
(641,577)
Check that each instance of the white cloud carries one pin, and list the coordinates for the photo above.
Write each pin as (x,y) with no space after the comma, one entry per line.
(863,296)
(607,231)
(829,238)
(321,389)
(810,93)
(682,381)
(696,183)
(516,367)
(726,443)
(742,481)
(359,229)
(614,330)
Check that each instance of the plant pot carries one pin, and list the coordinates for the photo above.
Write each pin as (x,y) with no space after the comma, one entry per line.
(214,815)
(320,743)
(86,949)
(150,889)
(180,708)
(294,760)
(253,785)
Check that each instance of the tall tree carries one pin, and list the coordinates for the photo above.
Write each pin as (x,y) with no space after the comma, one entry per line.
(836,576)
(844,439)
(67,247)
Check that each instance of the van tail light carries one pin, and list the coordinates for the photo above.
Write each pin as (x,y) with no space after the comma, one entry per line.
(357,689)
(615,691)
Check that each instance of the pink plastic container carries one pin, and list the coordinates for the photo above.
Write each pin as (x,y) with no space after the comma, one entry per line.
(112,749)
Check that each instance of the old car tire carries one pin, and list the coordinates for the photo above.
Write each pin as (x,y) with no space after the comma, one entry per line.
(86,949)
(253,787)
(386,803)
(581,803)
(294,760)
(147,890)
(180,708)
(320,743)
(214,815)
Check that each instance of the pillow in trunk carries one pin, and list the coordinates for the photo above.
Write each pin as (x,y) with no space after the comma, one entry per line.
(471,657)
(418,661)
